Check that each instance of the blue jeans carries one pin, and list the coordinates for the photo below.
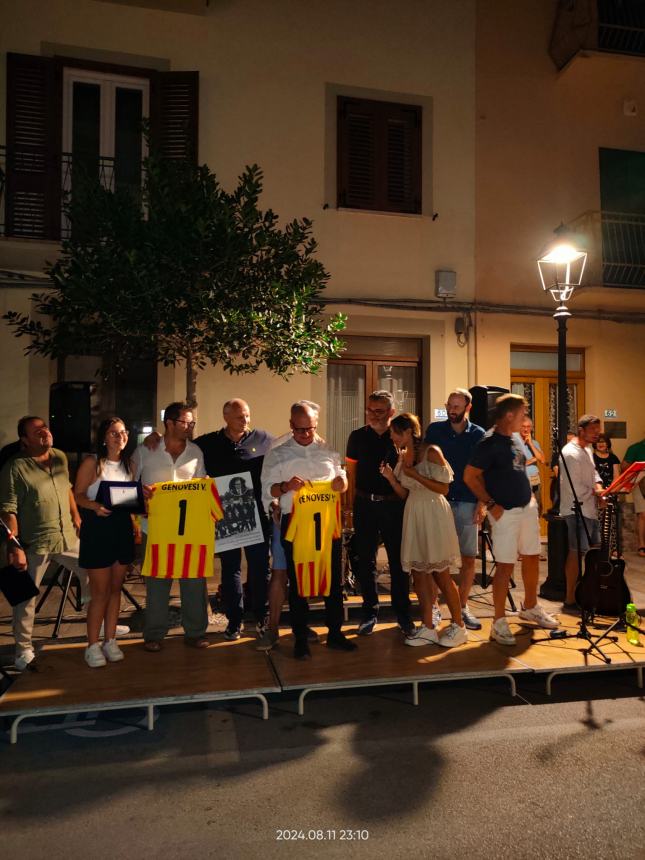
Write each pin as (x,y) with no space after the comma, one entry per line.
(257,562)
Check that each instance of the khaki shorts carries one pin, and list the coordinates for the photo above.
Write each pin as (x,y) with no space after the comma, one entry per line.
(639,499)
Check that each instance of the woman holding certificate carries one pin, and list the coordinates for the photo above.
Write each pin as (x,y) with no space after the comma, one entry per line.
(106,538)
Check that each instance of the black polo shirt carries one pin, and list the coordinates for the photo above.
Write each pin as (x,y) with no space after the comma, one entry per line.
(369,449)
(222,456)
(502,460)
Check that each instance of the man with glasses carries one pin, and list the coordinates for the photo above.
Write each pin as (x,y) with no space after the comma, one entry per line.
(37,504)
(286,469)
(457,438)
(237,448)
(378,512)
(175,458)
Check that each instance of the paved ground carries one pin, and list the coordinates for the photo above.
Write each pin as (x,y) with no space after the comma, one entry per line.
(469,771)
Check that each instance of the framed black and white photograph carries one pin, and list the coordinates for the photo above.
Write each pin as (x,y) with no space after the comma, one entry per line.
(241,524)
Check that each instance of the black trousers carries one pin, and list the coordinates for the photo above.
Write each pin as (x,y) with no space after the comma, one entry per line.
(299,606)
(375,521)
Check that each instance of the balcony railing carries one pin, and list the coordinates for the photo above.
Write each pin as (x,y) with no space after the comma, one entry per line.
(598,25)
(38,187)
(615,242)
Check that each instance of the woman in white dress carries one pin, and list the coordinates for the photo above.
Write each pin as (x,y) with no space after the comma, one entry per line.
(429,544)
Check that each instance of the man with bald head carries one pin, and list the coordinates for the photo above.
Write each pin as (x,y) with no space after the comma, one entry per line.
(238,448)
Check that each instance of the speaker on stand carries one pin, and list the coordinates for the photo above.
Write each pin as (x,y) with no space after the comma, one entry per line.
(484,397)
(70,416)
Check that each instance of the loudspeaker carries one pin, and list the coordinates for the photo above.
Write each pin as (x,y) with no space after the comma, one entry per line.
(484,397)
(70,415)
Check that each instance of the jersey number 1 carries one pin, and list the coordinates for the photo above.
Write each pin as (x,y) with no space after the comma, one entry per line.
(183,504)
(318,531)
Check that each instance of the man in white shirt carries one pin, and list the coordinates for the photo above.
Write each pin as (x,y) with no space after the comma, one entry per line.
(578,457)
(176,458)
(286,469)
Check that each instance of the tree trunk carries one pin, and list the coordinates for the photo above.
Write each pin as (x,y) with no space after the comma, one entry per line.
(191,382)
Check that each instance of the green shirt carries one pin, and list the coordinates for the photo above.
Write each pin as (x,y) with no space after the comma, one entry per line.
(39,498)
(636,452)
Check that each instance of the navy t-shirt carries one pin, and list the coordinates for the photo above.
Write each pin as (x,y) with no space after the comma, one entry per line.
(457,449)
(222,456)
(502,460)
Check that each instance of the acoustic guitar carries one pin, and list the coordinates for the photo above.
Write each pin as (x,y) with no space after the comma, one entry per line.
(602,589)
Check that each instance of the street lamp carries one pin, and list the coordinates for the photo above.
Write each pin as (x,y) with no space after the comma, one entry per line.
(561,269)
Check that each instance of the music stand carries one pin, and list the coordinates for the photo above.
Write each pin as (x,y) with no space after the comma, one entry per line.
(626,482)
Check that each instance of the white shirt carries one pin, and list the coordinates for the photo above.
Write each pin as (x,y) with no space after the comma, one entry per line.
(314,462)
(156,466)
(584,476)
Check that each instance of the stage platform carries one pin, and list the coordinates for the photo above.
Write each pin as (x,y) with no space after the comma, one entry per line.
(63,684)
(383,659)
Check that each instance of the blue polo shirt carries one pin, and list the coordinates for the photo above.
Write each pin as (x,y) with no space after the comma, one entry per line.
(457,449)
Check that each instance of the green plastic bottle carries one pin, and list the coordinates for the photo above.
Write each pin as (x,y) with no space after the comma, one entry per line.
(632,617)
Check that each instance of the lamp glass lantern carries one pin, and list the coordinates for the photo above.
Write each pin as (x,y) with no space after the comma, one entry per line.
(561,270)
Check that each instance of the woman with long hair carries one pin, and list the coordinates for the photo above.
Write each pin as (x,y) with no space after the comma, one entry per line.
(106,539)
(429,544)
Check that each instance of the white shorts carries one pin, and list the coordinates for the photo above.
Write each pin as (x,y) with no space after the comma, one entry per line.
(516,532)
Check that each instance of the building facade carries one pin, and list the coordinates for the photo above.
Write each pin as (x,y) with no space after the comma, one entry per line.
(434,145)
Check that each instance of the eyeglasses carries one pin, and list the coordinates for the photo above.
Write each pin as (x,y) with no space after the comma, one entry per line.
(379,413)
(305,429)
(189,424)
(117,434)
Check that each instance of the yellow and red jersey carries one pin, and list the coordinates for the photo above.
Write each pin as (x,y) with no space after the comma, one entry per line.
(181,529)
(314,522)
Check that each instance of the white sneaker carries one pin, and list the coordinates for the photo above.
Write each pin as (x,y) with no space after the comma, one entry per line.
(436,615)
(453,635)
(121,630)
(94,656)
(424,636)
(24,659)
(112,651)
(501,632)
(539,615)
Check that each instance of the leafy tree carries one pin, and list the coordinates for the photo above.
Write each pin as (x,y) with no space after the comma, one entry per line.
(183,271)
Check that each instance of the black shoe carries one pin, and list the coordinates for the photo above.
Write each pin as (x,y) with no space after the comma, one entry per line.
(340,642)
(366,627)
(301,650)
(408,628)
(312,636)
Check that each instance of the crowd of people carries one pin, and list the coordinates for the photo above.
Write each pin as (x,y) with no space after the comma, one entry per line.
(422,495)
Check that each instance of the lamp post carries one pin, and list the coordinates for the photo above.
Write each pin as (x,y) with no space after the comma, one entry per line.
(561,269)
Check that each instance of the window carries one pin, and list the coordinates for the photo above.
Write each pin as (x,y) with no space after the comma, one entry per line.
(379,155)
(102,116)
(59,109)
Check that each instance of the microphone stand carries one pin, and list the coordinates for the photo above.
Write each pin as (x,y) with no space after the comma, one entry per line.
(585,616)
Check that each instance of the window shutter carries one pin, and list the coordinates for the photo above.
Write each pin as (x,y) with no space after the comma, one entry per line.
(357,168)
(379,155)
(33,189)
(403,130)
(174,114)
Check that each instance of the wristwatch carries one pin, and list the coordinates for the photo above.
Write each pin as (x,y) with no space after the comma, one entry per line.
(490,504)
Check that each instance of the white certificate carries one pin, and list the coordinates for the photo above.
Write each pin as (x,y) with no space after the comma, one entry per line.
(123,496)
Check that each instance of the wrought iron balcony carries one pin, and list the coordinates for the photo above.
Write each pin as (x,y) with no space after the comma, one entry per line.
(615,242)
(610,26)
(34,186)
